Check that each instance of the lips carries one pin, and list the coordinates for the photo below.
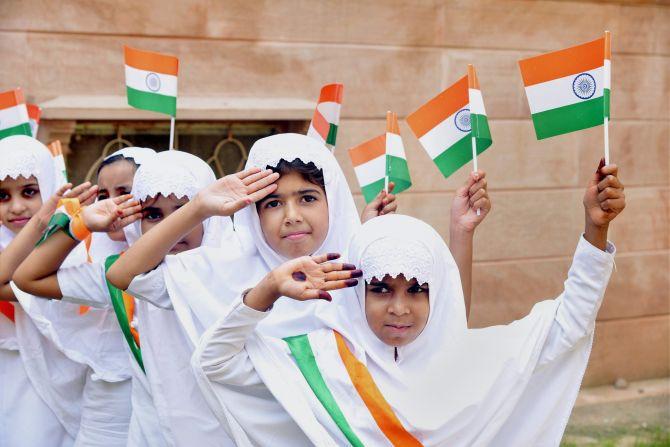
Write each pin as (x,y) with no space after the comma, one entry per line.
(296,235)
(398,328)
(19,221)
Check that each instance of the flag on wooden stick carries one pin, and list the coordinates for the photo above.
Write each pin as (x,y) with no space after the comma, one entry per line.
(326,117)
(14,118)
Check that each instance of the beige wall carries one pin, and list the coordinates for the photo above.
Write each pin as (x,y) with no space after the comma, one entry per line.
(395,55)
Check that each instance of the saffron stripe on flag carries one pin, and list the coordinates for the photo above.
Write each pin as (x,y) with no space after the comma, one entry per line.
(152,101)
(439,108)
(331,93)
(558,64)
(369,150)
(11,98)
(151,61)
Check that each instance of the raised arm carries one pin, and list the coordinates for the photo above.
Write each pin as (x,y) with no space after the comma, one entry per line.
(37,274)
(223,198)
(591,266)
(24,242)
(472,196)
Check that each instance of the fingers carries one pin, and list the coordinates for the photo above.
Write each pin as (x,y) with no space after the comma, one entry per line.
(609,181)
(261,194)
(336,267)
(247,172)
(251,179)
(388,209)
(120,199)
(610,169)
(61,191)
(129,209)
(320,259)
(124,222)
(476,196)
(344,274)
(262,182)
(483,204)
(342,284)
(88,196)
(614,205)
(479,185)
(314,294)
(391,187)
(609,193)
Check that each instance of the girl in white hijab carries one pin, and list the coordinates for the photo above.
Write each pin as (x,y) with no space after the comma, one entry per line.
(40,386)
(395,363)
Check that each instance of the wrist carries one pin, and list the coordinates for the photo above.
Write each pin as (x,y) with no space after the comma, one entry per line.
(458,231)
(197,209)
(596,235)
(264,295)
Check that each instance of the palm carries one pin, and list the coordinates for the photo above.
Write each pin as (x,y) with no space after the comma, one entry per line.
(225,194)
(464,215)
(315,278)
(101,215)
(593,209)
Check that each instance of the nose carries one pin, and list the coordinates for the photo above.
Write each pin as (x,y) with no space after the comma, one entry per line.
(398,305)
(17,207)
(292,214)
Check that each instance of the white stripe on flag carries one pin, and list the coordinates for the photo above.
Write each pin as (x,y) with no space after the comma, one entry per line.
(330,111)
(394,145)
(559,92)
(371,171)
(607,74)
(476,102)
(442,136)
(146,81)
(13,116)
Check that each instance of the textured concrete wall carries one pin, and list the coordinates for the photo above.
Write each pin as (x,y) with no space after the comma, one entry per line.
(395,55)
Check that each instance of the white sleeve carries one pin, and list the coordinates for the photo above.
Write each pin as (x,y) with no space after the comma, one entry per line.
(150,286)
(581,298)
(221,354)
(84,284)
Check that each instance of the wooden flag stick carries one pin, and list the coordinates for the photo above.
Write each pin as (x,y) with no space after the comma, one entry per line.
(171,132)
(472,83)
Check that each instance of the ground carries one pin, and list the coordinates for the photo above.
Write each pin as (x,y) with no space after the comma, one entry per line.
(637,416)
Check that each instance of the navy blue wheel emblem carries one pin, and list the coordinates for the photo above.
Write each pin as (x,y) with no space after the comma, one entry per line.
(584,86)
(462,120)
(153,82)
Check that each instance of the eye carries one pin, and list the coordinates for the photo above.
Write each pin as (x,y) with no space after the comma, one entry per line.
(378,288)
(417,289)
(271,204)
(309,198)
(102,195)
(30,192)
(4,196)
(152,215)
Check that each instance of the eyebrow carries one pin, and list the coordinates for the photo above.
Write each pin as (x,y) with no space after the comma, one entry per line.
(30,185)
(296,193)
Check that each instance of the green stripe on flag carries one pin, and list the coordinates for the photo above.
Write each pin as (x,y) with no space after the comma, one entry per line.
(456,156)
(606,104)
(398,173)
(370,191)
(560,120)
(152,101)
(120,310)
(304,357)
(480,126)
(21,129)
(332,134)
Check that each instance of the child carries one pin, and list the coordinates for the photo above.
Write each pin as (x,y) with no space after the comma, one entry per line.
(40,385)
(163,185)
(396,363)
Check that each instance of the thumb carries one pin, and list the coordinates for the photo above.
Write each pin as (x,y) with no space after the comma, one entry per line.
(377,201)
(597,176)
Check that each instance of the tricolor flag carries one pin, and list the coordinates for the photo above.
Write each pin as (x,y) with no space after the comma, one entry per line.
(569,89)
(13,114)
(151,80)
(326,117)
(59,160)
(381,160)
(34,113)
(444,125)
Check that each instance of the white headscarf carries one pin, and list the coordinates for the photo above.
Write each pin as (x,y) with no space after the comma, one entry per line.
(166,351)
(451,385)
(58,379)
(202,283)
(101,245)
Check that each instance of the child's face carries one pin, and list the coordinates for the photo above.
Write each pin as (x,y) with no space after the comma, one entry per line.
(115,180)
(156,210)
(396,309)
(294,218)
(19,200)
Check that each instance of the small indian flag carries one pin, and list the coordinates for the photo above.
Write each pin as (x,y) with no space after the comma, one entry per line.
(14,114)
(151,80)
(381,160)
(326,117)
(444,125)
(34,113)
(59,160)
(569,89)
(397,170)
